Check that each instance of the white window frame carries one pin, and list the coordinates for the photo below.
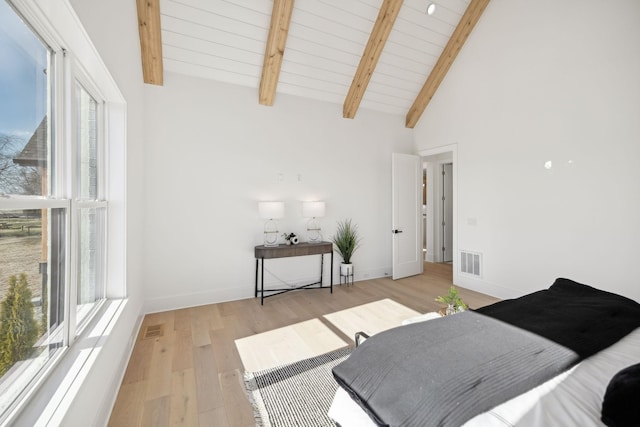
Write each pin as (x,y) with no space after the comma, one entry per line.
(75,57)
(78,76)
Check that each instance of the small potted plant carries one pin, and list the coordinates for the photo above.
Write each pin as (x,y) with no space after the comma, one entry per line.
(346,241)
(453,301)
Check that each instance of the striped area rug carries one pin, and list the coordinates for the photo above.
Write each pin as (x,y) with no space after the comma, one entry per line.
(297,394)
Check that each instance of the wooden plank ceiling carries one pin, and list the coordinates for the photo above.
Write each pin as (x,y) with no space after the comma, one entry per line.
(384,55)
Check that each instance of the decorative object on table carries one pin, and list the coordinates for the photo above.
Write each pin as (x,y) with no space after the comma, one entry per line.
(271,211)
(297,394)
(346,241)
(291,239)
(453,301)
(313,210)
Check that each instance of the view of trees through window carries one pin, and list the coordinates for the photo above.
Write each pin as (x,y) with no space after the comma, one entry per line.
(31,265)
(16,178)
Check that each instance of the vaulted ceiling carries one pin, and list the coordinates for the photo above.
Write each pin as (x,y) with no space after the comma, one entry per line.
(385,55)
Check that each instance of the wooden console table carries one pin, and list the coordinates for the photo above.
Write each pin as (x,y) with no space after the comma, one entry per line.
(284,251)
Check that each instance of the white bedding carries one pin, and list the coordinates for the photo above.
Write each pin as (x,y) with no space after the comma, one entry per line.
(573,398)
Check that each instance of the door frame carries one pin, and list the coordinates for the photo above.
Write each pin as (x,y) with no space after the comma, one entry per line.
(446,232)
(453,150)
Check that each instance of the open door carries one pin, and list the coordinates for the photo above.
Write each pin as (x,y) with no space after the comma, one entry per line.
(406,217)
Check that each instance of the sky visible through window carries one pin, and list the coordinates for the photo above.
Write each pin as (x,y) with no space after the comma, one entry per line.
(23,78)
(24,143)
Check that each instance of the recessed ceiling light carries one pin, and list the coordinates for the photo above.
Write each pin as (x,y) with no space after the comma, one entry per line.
(431,9)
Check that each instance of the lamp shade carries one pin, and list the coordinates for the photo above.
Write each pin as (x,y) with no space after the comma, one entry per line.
(271,210)
(313,209)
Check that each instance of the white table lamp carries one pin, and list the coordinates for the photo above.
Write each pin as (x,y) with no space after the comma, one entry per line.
(313,210)
(271,211)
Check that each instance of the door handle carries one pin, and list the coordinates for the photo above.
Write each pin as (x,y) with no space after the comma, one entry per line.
(396,231)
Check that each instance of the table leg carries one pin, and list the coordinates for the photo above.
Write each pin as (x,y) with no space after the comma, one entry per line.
(256,295)
(321,269)
(262,284)
(331,271)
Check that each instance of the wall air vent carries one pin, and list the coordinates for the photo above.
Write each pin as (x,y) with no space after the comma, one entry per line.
(471,263)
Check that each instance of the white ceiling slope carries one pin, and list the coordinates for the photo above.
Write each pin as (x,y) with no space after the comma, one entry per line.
(225,40)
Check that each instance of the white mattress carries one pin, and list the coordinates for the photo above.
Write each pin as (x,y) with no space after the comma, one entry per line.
(573,398)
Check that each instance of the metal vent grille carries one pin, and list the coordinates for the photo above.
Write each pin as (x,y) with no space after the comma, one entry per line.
(153,331)
(470,263)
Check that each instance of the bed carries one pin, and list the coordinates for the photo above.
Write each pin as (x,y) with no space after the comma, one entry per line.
(548,358)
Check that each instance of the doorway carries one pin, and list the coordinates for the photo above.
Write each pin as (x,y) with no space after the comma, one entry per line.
(439,244)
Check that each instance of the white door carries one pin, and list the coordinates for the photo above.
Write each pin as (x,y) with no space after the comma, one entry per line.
(406,184)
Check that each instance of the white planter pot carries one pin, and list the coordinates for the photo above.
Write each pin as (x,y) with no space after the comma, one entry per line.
(346,269)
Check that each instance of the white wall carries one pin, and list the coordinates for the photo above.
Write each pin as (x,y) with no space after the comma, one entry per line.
(213,152)
(536,82)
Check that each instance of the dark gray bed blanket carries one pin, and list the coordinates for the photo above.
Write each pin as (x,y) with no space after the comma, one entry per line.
(456,367)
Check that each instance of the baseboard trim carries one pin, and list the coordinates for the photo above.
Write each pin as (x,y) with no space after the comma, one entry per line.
(484,287)
(214,296)
(178,301)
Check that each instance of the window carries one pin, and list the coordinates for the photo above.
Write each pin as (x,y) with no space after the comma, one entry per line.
(53,212)
(90,211)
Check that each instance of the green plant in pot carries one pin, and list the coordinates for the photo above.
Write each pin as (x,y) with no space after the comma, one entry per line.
(346,241)
(453,301)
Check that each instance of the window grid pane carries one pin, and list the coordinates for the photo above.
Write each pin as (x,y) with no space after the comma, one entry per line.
(24,83)
(91,260)
(32,260)
(87,145)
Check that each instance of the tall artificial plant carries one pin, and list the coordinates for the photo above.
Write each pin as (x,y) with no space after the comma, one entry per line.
(346,240)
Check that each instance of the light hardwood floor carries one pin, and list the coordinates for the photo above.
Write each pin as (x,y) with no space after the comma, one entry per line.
(191,375)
